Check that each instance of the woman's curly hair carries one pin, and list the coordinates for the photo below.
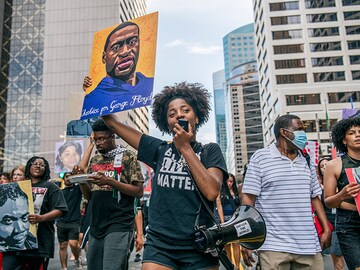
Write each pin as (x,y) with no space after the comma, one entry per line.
(339,130)
(193,93)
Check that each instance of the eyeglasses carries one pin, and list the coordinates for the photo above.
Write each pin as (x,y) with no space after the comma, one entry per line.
(41,165)
(100,140)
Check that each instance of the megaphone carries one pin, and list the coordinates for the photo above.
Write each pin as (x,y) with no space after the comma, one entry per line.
(246,226)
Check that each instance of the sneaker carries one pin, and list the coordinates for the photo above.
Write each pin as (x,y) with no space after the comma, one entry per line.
(78,264)
(137,257)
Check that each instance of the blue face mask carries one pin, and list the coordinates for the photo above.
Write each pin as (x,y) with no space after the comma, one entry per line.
(300,139)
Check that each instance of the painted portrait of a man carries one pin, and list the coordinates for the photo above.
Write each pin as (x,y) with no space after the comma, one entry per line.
(126,84)
(15,231)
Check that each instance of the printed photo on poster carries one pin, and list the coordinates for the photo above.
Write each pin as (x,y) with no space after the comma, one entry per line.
(353,175)
(16,204)
(67,155)
(122,67)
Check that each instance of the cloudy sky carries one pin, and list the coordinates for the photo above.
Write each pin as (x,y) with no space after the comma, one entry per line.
(189,46)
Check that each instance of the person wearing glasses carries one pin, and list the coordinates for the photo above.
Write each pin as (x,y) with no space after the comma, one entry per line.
(49,204)
(120,56)
(111,193)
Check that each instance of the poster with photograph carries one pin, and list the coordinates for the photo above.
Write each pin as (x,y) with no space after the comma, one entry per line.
(122,67)
(67,155)
(353,175)
(16,204)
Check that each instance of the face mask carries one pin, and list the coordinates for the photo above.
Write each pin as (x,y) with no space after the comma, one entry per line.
(300,139)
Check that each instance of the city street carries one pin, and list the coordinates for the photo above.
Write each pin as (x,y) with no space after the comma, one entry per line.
(55,263)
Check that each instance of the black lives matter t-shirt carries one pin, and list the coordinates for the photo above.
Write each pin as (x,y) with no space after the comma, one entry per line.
(174,200)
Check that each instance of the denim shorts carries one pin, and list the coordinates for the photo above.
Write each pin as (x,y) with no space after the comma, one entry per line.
(348,233)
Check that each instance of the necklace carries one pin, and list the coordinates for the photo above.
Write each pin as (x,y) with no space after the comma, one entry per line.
(355,162)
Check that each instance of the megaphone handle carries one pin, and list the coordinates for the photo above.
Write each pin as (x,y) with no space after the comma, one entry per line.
(225,261)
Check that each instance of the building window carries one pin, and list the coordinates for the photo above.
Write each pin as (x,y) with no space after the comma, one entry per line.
(325,46)
(285,20)
(305,99)
(329,76)
(344,97)
(319,4)
(354,59)
(327,61)
(276,106)
(324,17)
(291,78)
(323,32)
(355,74)
(354,44)
(291,63)
(284,6)
(353,30)
(285,49)
(350,2)
(287,34)
(352,15)
(310,125)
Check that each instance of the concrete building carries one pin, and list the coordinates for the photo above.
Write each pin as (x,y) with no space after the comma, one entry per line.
(243,117)
(308,54)
(238,48)
(46,49)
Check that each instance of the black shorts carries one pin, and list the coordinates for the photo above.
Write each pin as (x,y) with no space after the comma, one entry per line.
(65,234)
(177,259)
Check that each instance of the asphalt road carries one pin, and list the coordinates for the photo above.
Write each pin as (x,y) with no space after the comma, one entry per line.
(55,263)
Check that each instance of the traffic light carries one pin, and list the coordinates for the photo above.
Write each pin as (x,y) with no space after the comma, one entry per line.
(61,175)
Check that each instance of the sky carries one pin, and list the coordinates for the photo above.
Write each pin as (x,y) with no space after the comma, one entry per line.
(189,45)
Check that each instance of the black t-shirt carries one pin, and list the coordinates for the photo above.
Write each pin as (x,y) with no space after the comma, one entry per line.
(47,197)
(174,201)
(111,210)
(72,197)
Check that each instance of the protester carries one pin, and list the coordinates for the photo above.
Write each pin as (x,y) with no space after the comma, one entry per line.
(68,226)
(175,206)
(115,184)
(227,202)
(5,178)
(282,185)
(340,194)
(334,250)
(49,204)
(18,173)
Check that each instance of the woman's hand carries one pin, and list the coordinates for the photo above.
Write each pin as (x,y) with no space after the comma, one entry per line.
(350,191)
(181,137)
(33,219)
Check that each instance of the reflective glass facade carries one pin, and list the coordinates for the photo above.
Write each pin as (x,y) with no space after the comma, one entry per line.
(21,79)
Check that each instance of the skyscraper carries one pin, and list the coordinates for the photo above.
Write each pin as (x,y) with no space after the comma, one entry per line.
(239,51)
(239,47)
(308,54)
(46,49)
(219,108)
(243,116)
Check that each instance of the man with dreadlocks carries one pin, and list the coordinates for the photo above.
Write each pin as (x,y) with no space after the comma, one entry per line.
(49,204)
(175,207)
(116,181)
